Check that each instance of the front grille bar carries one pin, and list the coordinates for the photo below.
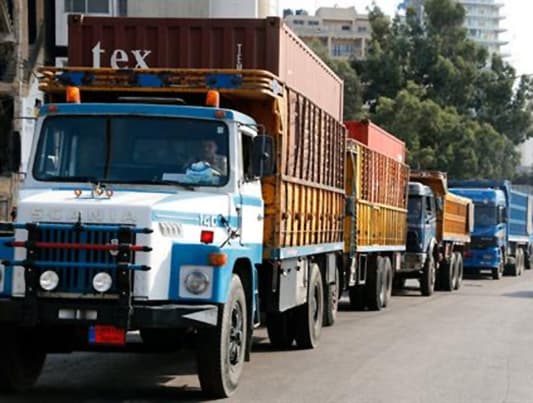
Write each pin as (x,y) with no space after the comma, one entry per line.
(76,227)
(52,264)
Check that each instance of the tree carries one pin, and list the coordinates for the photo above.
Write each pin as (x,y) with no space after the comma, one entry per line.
(458,110)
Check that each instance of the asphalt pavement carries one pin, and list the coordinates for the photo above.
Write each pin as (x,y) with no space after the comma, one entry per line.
(474,345)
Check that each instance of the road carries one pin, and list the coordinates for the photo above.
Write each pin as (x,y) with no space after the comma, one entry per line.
(474,345)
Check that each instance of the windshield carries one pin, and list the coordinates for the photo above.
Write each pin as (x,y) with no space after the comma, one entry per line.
(485,215)
(414,209)
(130,149)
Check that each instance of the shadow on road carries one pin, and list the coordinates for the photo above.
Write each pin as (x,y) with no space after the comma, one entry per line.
(519,294)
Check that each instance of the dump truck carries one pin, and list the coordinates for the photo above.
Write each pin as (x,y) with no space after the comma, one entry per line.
(502,229)
(439,227)
(376,215)
(178,201)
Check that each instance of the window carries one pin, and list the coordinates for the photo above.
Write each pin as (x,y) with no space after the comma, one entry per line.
(298,22)
(87,6)
(131,149)
(346,28)
(361,29)
(312,22)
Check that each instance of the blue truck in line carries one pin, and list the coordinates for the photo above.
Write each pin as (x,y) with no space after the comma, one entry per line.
(501,240)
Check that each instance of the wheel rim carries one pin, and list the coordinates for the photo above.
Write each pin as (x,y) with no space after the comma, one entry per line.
(315,304)
(236,335)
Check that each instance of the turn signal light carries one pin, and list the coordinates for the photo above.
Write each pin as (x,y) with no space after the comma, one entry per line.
(218,259)
(73,94)
(212,99)
(207,237)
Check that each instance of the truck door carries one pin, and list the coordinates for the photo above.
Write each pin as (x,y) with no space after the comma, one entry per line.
(249,201)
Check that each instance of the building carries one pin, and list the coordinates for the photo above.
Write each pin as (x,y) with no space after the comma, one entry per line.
(21,49)
(343,31)
(482,21)
(151,8)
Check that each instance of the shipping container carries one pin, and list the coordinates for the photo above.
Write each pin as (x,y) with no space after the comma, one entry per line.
(378,185)
(376,138)
(262,44)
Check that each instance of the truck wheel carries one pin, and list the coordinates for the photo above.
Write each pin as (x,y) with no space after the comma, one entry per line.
(514,269)
(308,317)
(427,281)
(280,329)
(459,270)
(387,281)
(331,301)
(21,361)
(357,297)
(521,267)
(221,350)
(446,275)
(398,283)
(497,272)
(374,287)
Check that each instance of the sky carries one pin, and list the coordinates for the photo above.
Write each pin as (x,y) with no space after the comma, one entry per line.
(518,22)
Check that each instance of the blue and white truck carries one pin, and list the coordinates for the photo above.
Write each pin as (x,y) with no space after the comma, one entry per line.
(502,226)
(143,212)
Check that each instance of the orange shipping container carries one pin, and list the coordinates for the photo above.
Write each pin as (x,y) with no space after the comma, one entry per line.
(376,138)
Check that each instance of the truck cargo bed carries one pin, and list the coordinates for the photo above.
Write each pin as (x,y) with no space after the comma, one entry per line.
(377,185)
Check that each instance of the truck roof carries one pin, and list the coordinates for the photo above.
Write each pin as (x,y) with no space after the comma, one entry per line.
(200,112)
(480,194)
(418,189)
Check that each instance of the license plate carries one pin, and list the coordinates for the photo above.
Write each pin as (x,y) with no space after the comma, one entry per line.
(108,335)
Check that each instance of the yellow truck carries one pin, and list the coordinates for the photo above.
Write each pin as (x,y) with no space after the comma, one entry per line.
(439,227)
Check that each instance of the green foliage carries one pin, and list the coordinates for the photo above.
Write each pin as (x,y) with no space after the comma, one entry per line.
(353,92)
(457,110)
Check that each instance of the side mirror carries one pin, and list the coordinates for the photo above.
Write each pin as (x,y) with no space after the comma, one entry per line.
(15,152)
(263,156)
(503,212)
(350,206)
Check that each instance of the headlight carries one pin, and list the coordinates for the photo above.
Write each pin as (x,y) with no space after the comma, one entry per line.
(196,282)
(102,282)
(49,280)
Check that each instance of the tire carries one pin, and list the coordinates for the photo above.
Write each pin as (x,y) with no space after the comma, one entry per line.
(459,270)
(221,350)
(21,361)
(357,297)
(427,280)
(514,269)
(374,287)
(398,283)
(331,301)
(280,328)
(497,272)
(387,281)
(446,275)
(308,317)
(163,339)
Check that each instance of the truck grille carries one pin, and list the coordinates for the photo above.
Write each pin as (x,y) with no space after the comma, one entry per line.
(74,279)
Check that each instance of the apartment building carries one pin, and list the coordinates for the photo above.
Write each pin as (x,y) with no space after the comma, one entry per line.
(343,31)
(483,18)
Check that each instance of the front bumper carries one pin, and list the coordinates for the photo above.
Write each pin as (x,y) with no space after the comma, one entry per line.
(482,258)
(87,313)
(413,262)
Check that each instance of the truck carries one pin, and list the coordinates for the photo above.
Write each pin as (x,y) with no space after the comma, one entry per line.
(176,202)
(376,214)
(439,227)
(502,226)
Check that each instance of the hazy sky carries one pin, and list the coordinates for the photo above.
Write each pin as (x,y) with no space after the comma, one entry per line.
(518,22)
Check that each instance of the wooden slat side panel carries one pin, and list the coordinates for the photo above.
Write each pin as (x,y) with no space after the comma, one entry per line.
(456,216)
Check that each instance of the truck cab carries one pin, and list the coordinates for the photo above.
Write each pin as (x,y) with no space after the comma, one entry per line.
(489,237)
(421,225)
